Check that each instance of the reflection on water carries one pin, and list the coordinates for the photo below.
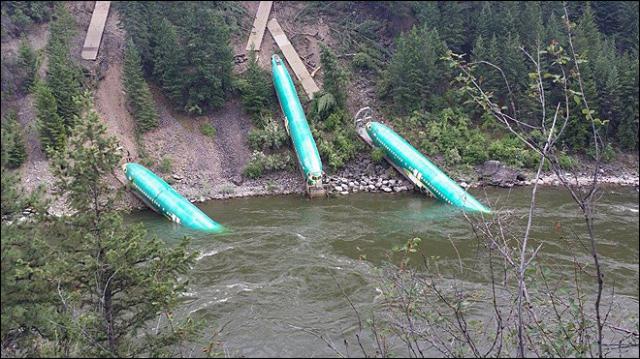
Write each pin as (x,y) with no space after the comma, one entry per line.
(277,267)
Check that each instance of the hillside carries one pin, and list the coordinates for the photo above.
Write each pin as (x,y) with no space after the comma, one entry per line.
(468,100)
(203,167)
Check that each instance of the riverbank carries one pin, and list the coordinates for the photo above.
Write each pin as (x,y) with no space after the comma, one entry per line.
(364,175)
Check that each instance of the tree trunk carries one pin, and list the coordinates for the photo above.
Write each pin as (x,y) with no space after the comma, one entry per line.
(108,316)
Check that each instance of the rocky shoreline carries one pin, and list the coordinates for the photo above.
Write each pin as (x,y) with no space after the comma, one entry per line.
(363,175)
(369,177)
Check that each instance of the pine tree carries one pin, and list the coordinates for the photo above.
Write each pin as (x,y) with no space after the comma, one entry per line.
(587,37)
(554,32)
(169,63)
(13,141)
(27,289)
(588,46)
(137,90)
(512,61)
(627,131)
(64,81)
(607,78)
(334,76)
(488,51)
(114,278)
(256,90)
(64,76)
(628,38)
(137,19)
(618,20)
(28,61)
(530,25)
(485,24)
(427,13)
(415,74)
(50,125)
(63,28)
(507,22)
(451,28)
(208,80)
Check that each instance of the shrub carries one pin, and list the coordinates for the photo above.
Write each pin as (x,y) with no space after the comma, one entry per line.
(254,169)
(146,161)
(208,130)
(511,151)
(272,136)
(450,134)
(377,155)
(363,61)
(333,121)
(566,162)
(607,153)
(166,165)
(452,156)
(278,162)
(261,163)
(445,132)
(322,106)
(336,140)
(338,147)
(334,76)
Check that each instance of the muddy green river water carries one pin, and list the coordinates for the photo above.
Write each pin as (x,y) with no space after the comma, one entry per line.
(276,269)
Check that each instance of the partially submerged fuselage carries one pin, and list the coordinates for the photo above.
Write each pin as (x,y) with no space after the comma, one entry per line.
(162,198)
(419,170)
(298,128)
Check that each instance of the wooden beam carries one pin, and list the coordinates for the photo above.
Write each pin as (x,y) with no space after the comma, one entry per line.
(259,24)
(289,52)
(96,28)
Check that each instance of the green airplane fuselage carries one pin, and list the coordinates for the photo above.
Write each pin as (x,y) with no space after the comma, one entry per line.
(162,198)
(422,172)
(296,123)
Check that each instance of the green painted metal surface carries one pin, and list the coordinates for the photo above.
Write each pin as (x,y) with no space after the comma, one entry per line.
(422,172)
(296,123)
(162,198)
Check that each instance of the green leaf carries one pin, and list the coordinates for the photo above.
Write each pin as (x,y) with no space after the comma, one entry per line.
(577,99)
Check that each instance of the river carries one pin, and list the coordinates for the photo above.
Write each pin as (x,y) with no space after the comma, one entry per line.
(276,269)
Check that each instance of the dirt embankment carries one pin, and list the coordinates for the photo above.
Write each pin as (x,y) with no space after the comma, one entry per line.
(200,165)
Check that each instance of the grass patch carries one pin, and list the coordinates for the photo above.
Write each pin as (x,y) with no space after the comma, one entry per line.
(166,165)
(208,130)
